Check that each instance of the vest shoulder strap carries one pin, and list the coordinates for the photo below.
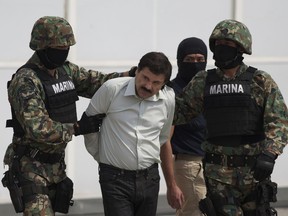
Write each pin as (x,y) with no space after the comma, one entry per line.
(213,77)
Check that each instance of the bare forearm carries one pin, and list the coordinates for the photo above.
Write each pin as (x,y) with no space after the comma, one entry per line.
(167,164)
(175,196)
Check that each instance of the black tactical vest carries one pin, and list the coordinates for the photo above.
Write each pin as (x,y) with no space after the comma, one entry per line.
(229,109)
(61,96)
(60,101)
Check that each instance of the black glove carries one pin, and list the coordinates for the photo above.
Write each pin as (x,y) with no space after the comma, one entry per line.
(89,124)
(170,84)
(132,71)
(264,166)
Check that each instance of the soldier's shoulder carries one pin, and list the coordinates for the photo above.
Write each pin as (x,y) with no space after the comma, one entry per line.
(263,76)
(199,79)
(23,77)
(202,74)
(264,79)
(24,74)
(262,73)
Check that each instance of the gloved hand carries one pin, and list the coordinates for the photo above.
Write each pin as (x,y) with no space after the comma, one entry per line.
(89,124)
(264,166)
(132,71)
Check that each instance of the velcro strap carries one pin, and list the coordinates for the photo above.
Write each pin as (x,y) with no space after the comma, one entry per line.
(230,160)
(46,157)
(39,155)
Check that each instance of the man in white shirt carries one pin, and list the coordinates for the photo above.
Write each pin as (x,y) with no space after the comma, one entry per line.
(139,113)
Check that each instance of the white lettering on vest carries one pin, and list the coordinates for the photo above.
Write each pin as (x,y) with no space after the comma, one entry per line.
(63,86)
(226,89)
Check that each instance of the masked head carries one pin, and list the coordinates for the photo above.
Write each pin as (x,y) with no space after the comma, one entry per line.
(235,33)
(51,38)
(191,58)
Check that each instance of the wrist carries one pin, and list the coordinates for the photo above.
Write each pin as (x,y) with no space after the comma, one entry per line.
(76,128)
(124,74)
(171,183)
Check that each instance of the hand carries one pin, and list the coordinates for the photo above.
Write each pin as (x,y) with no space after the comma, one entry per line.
(132,71)
(264,166)
(170,84)
(175,197)
(89,124)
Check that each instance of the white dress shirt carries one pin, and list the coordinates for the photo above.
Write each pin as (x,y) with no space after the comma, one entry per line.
(134,129)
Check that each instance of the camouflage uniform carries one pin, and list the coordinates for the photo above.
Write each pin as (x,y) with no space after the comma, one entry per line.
(27,97)
(234,184)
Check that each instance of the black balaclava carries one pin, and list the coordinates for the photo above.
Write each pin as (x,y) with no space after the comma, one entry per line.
(187,70)
(227,57)
(52,58)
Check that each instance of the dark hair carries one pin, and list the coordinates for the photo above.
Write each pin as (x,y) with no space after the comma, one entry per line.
(157,63)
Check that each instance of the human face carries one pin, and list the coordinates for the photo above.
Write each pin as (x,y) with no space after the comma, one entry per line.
(147,83)
(194,58)
(53,57)
(227,55)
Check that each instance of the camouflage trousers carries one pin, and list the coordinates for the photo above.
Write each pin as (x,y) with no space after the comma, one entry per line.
(40,206)
(229,199)
(42,175)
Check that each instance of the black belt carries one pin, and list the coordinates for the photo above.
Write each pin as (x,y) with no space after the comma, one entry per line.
(128,172)
(38,155)
(230,160)
(188,157)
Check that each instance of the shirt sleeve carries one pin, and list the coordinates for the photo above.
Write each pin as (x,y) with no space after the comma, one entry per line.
(275,116)
(189,103)
(87,82)
(165,133)
(100,102)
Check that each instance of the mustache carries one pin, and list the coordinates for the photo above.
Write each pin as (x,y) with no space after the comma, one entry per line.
(145,89)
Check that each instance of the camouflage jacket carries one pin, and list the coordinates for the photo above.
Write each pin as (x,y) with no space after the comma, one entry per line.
(27,96)
(267,95)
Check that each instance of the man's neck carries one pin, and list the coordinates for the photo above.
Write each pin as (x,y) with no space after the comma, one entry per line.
(231,73)
(52,72)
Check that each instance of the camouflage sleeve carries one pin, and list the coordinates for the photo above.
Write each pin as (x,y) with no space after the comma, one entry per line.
(87,82)
(275,116)
(189,103)
(26,96)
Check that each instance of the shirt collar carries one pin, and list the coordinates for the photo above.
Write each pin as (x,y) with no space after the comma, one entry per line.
(130,91)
